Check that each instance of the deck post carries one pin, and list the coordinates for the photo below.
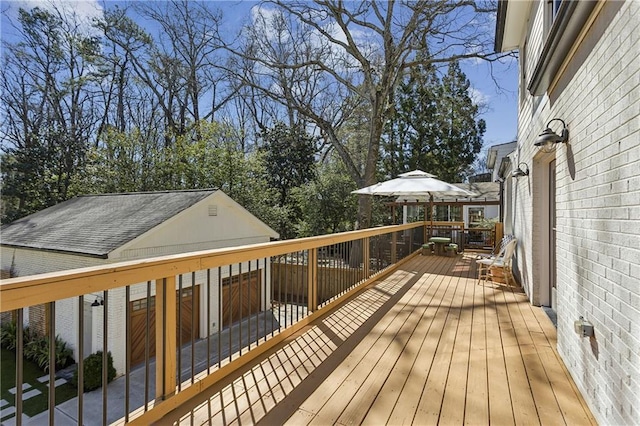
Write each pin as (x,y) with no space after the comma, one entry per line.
(312,280)
(165,337)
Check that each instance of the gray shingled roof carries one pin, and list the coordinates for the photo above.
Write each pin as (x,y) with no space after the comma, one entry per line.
(97,224)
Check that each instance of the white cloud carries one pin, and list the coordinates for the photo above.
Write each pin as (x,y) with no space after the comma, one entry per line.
(79,13)
(267,20)
(478,97)
(336,57)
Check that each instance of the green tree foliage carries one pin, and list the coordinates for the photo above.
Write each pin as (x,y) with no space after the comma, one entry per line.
(288,157)
(462,132)
(316,57)
(131,162)
(116,108)
(413,129)
(126,161)
(326,203)
(435,127)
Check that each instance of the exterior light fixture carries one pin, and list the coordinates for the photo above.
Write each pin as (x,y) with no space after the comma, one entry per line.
(97,302)
(519,172)
(548,139)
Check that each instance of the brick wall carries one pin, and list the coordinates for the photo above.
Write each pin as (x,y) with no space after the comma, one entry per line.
(38,320)
(597,208)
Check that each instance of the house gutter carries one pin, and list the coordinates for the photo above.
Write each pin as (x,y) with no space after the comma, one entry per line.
(505,165)
(75,253)
(570,20)
(501,18)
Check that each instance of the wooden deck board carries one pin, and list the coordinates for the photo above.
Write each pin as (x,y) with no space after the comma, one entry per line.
(380,392)
(499,398)
(425,345)
(428,410)
(477,401)
(361,379)
(391,392)
(410,394)
(455,390)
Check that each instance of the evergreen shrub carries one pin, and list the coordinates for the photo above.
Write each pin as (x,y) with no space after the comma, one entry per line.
(93,371)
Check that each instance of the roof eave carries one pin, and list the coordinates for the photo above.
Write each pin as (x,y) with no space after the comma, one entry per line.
(59,251)
(491,158)
(511,22)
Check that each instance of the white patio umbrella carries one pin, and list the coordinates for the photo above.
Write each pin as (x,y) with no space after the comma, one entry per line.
(416,184)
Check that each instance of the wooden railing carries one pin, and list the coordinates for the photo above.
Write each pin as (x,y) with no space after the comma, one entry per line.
(237,302)
(469,238)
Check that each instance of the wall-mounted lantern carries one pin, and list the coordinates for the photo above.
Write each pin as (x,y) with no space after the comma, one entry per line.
(548,139)
(520,171)
(98,302)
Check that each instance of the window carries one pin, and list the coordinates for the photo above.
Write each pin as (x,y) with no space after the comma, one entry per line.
(476,215)
(551,8)
(140,304)
(448,214)
(555,7)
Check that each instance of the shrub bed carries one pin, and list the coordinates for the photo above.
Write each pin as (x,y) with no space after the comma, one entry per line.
(36,347)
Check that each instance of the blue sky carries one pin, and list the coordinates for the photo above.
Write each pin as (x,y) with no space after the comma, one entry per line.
(501,114)
(500,100)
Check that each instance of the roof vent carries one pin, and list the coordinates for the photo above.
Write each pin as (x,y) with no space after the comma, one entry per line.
(213,210)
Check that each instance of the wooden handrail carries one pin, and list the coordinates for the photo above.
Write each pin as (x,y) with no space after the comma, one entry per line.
(20,292)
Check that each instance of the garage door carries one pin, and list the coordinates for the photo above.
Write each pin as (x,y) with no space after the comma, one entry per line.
(240,297)
(139,323)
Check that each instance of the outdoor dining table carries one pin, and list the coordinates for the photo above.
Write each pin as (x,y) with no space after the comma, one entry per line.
(439,244)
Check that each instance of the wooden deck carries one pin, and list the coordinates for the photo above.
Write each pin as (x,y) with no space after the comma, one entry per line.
(426,345)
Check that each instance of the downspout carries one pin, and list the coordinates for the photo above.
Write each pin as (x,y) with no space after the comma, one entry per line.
(501,196)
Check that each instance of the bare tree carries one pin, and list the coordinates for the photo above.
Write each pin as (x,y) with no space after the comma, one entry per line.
(48,84)
(123,40)
(330,60)
(185,57)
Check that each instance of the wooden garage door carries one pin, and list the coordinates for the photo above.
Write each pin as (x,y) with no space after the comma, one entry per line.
(139,323)
(240,297)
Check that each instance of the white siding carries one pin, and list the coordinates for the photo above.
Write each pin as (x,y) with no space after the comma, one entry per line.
(193,230)
(502,151)
(31,262)
(598,208)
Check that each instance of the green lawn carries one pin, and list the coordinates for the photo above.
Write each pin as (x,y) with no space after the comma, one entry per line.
(31,372)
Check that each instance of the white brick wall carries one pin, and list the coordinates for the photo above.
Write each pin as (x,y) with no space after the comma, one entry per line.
(598,209)
(32,262)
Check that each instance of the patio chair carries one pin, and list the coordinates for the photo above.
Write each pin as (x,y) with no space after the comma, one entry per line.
(503,243)
(502,261)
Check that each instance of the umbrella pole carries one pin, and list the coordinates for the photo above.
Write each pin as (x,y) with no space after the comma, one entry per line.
(431,213)
(424,219)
